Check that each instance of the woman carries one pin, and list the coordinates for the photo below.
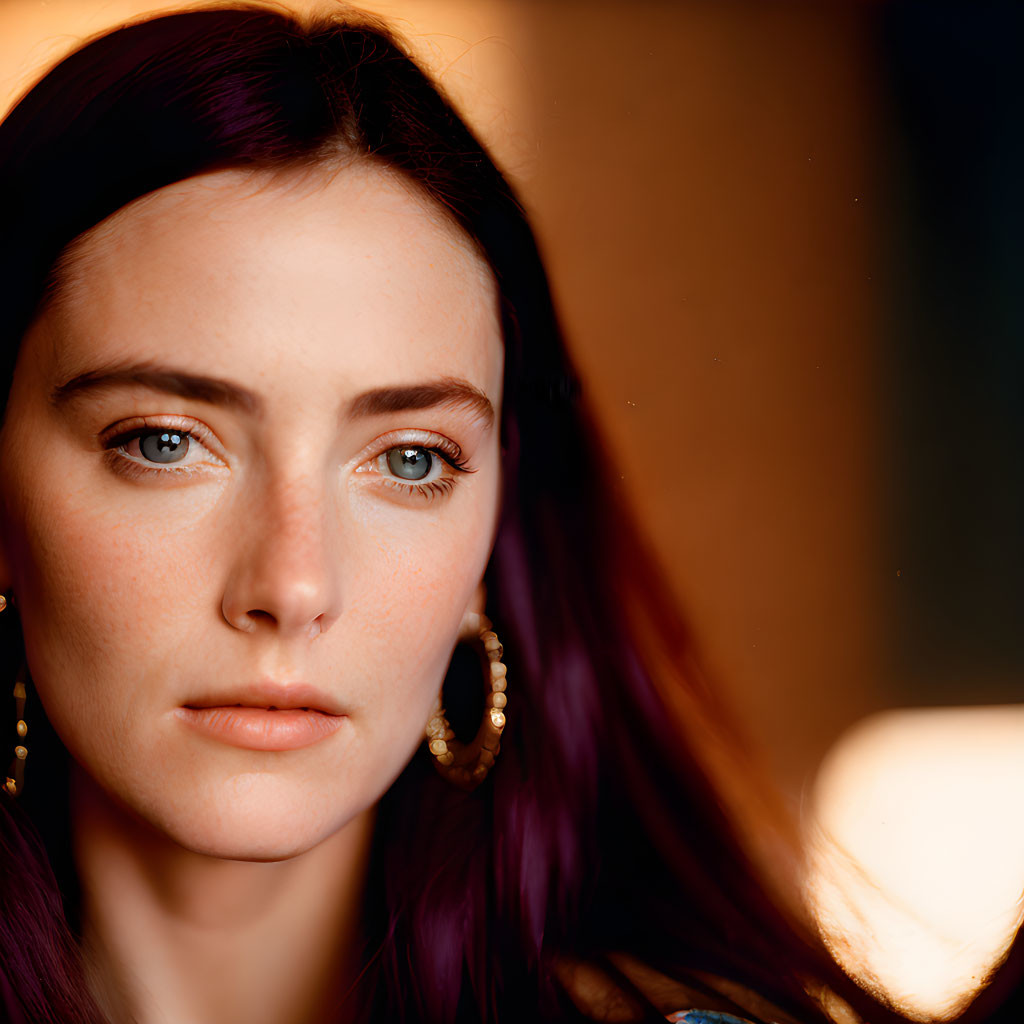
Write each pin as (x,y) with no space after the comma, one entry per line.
(287,417)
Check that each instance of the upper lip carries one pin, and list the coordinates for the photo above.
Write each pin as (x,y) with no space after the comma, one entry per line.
(270,694)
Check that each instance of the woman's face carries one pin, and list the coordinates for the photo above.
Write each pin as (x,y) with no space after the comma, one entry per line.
(251,457)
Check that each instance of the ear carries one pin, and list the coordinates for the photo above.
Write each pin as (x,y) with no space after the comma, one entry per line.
(470,627)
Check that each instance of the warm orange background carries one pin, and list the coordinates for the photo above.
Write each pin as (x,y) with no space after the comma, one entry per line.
(701,180)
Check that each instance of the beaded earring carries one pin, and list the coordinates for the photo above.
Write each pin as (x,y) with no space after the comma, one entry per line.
(16,773)
(466,764)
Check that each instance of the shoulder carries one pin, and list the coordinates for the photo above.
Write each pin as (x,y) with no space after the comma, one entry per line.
(701,999)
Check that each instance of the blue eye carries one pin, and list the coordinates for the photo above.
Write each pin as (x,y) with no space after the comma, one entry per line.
(410,463)
(164,445)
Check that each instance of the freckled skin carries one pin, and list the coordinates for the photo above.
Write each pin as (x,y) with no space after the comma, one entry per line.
(282,552)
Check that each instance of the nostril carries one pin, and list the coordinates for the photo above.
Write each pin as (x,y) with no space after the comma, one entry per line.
(292,612)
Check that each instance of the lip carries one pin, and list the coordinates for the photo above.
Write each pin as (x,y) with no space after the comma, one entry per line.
(268,694)
(265,716)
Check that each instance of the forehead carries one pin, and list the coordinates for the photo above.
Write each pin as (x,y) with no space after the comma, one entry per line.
(269,268)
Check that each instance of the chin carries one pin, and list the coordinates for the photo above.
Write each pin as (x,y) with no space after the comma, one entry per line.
(261,849)
(254,817)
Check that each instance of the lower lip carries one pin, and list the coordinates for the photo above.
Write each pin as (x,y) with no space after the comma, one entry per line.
(261,728)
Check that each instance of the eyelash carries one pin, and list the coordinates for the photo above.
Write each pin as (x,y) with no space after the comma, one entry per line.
(132,467)
(447,451)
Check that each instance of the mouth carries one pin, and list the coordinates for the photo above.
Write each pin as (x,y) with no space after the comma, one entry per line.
(270,696)
(264,721)
(261,707)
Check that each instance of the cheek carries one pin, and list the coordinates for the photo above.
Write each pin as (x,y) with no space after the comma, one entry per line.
(413,583)
(104,607)
(121,592)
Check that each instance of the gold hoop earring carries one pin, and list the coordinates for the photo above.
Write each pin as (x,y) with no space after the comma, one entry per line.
(16,773)
(467,764)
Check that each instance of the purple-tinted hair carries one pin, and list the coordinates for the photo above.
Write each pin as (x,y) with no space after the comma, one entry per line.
(598,831)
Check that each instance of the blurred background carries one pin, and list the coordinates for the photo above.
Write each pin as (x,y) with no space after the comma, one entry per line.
(786,241)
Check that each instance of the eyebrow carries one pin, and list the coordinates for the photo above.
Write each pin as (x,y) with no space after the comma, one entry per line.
(452,392)
(446,391)
(172,382)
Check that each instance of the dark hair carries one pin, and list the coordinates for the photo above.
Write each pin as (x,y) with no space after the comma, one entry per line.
(599,831)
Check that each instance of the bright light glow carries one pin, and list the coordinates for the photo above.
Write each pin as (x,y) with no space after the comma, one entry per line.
(916,852)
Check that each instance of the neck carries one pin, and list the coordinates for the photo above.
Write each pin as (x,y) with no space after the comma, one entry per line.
(169,934)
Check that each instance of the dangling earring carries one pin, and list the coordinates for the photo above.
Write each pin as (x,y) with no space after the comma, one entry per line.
(466,765)
(16,773)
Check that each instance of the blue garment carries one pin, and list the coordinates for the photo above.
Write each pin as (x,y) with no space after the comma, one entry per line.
(705,1017)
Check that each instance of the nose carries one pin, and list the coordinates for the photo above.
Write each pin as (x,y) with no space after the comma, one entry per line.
(286,573)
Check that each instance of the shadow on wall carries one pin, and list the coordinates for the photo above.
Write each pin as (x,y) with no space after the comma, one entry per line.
(954,249)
